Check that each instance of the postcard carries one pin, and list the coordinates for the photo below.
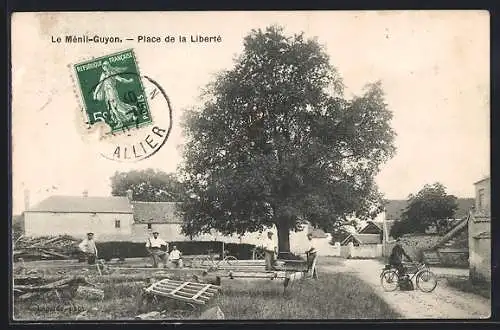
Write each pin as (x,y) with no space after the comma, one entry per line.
(250,165)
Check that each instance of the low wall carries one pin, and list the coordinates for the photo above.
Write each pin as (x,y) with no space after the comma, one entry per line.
(414,244)
(454,257)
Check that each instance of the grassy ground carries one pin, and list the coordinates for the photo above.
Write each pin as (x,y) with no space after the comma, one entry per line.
(465,285)
(333,296)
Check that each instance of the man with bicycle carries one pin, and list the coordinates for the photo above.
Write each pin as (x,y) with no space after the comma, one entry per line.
(396,258)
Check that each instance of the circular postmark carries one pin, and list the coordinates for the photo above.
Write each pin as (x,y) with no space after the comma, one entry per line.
(127,116)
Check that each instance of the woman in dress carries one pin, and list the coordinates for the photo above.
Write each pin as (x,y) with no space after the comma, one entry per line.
(106,91)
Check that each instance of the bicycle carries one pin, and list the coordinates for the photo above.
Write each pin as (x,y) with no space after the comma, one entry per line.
(390,279)
(212,261)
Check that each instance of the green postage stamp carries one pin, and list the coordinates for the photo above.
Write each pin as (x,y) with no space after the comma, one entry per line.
(112,91)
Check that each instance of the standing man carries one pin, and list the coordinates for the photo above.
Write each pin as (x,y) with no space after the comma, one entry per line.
(89,249)
(270,250)
(311,252)
(175,257)
(157,248)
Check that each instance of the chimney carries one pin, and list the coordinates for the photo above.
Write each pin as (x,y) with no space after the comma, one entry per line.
(85,193)
(130,194)
(26,199)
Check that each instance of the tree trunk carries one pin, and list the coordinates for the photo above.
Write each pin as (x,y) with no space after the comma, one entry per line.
(283,236)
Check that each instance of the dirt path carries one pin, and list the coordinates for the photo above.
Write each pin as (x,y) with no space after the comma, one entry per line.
(443,302)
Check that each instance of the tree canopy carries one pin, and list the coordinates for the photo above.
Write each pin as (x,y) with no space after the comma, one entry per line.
(147,186)
(276,142)
(431,206)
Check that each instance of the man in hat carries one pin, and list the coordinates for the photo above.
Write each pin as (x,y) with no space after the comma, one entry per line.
(157,248)
(396,257)
(88,248)
(270,251)
(311,252)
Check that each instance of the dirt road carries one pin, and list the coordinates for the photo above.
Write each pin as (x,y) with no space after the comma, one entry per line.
(443,302)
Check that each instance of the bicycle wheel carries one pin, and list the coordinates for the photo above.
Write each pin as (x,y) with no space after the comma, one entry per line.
(197,262)
(230,260)
(206,262)
(389,280)
(426,281)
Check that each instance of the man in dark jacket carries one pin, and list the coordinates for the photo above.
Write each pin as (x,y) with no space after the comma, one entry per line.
(396,258)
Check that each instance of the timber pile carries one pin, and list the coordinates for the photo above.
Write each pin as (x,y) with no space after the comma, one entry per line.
(28,286)
(45,248)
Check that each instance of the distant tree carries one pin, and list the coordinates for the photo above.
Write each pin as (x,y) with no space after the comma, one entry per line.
(431,206)
(147,186)
(276,142)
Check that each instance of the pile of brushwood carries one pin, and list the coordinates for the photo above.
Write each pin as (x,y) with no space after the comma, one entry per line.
(46,248)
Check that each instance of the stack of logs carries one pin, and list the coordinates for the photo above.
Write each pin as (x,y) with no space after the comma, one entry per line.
(45,248)
(29,286)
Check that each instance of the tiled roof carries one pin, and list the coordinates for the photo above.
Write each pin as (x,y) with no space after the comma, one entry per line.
(156,212)
(81,204)
(388,224)
(371,224)
(487,177)
(365,238)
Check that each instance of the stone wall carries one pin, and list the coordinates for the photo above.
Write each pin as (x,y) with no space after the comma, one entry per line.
(414,244)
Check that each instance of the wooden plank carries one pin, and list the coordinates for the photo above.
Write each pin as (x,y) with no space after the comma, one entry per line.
(213,287)
(179,287)
(160,293)
(185,289)
(201,291)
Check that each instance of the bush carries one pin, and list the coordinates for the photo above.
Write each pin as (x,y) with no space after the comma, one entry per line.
(110,250)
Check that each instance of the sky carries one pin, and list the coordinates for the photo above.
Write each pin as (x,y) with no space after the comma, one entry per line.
(434,67)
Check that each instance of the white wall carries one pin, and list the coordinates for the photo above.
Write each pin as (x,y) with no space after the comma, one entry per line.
(479,249)
(362,251)
(78,224)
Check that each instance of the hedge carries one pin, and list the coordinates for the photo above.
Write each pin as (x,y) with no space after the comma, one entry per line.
(110,250)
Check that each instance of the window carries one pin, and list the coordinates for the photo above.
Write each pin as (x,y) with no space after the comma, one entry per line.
(149,226)
(480,201)
(117,223)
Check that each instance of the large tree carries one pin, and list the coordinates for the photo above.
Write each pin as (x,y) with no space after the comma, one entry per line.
(431,206)
(276,142)
(147,186)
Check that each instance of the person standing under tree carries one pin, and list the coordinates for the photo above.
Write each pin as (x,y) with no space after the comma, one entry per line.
(157,248)
(270,251)
(88,248)
(311,252)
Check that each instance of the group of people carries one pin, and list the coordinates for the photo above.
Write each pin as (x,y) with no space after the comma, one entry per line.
(157,248)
